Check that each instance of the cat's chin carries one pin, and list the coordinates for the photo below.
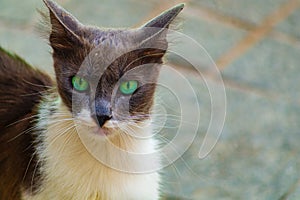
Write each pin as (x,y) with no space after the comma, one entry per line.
(103,132)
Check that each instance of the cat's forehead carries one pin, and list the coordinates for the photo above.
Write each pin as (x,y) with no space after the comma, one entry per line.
(109,45)
(105,49)
(110,39)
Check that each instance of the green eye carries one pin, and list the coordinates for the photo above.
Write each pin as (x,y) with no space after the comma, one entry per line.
(128,87)
(80,84)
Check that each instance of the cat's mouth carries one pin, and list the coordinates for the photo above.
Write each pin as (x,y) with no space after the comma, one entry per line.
(90,125)
(87,124)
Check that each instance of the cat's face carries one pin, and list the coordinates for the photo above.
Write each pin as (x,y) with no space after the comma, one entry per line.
(107,77)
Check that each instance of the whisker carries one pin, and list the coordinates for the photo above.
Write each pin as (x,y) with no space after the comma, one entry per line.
(34,172)
(13,123)
(184,162)
(23,132)
(61,134)
(177,175)
(31,94)
(28,165)
(67,140)
(37,85)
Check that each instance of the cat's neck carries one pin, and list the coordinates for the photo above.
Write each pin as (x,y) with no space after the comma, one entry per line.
(69,166)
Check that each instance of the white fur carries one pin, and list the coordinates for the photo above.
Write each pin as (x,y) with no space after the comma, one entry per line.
(70,172)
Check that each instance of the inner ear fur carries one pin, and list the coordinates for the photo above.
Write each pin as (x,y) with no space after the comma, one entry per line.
(65,29)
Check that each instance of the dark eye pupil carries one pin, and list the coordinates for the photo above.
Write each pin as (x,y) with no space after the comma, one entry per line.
(128,85)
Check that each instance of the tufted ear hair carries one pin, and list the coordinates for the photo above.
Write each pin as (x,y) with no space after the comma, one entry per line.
(65,29)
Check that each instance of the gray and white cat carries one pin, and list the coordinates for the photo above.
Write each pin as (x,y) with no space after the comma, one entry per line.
(65,139)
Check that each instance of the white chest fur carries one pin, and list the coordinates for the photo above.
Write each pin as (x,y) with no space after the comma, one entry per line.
(71,173)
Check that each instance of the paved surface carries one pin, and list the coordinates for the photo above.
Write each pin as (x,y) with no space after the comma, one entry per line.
(256,46)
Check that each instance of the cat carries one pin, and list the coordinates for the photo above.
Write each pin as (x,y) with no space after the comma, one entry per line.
(63,138)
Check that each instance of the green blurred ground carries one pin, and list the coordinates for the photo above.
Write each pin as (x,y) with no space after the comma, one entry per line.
(256,45)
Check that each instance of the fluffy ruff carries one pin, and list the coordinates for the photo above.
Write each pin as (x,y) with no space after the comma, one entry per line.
(70,171)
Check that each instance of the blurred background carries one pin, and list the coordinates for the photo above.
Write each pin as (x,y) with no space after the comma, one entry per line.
(256,47)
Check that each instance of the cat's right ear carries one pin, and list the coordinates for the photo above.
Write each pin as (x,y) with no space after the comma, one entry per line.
(65,29)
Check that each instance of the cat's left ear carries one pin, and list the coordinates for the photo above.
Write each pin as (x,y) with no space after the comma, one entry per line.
(65,29)
(156,28)
(166,18)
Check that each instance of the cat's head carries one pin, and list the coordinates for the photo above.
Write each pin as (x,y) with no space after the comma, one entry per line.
(107,76)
